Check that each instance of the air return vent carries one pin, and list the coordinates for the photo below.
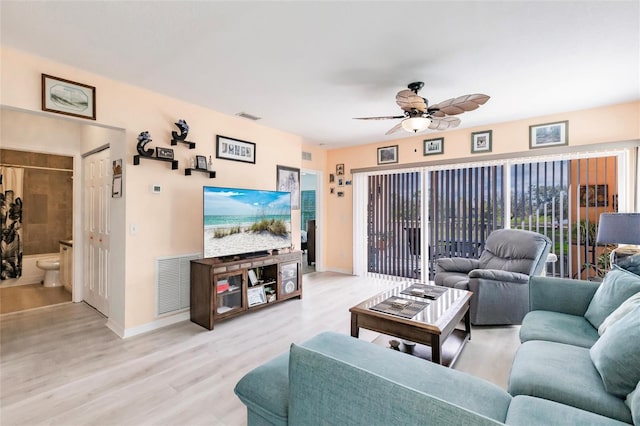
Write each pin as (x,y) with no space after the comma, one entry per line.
(248,116)
(173,282)
(306,156)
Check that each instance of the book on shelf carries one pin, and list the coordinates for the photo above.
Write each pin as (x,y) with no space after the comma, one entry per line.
(223,286)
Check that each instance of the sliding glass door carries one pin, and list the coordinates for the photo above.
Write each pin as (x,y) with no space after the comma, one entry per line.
(407,228)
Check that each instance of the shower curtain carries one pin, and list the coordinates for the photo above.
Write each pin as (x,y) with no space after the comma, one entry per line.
(11,179)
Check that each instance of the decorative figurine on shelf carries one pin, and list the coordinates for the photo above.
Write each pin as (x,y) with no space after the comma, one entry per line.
(184,130)
(143,139)
(210,165)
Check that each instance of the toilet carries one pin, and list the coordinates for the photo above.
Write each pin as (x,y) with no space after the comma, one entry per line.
(51,269)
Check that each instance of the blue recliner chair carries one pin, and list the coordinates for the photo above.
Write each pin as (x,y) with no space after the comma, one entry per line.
(499,280)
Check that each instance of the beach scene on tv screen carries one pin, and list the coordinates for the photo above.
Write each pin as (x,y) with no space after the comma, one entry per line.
(238,221)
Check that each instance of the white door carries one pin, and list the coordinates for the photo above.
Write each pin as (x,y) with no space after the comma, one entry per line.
(96,229)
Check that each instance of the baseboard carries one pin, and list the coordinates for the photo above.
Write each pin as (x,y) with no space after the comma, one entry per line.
(154,325)
(339,271)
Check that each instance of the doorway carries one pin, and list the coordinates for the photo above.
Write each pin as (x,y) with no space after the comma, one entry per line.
(308,220)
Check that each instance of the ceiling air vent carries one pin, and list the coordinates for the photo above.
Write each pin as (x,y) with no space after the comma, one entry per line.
(306,156)
(248,116)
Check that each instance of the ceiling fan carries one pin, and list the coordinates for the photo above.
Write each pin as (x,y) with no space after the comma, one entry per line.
(419,116)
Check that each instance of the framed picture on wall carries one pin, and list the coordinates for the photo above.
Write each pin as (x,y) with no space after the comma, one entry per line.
(288,180)
(235,149)
(433,146)
(549,134)
(481,142)
(388,154)
(68,97)
(594,196)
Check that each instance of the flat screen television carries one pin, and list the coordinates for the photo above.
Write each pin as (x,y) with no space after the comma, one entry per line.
(245,221)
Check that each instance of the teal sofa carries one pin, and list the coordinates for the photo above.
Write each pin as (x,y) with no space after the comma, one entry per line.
(564,359)
(337,379)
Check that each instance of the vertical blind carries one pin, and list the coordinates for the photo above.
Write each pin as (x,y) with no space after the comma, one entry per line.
(460,207)
(465,206)
(393,224)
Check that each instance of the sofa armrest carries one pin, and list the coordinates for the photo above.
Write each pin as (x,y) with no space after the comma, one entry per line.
(498,275)
(326,389)
(456,264)
(562,295)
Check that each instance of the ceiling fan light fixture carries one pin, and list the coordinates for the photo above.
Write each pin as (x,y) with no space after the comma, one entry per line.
(415,124)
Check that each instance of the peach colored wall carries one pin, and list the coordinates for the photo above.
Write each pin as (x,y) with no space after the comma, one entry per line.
(169,223)
(600,125)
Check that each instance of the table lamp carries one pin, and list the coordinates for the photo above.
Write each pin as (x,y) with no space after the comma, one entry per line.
(622,228)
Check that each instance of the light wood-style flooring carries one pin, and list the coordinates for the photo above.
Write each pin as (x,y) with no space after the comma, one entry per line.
(61,365)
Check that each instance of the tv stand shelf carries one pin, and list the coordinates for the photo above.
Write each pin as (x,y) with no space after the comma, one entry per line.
(225,288)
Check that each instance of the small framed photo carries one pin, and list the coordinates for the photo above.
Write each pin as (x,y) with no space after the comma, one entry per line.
(256,296)
(481,141)
(332,190)
(164,153)
(201,162)
(288,180)
(340,182)
(332,178)
(388,154)
(68,97)
(433,146)
(235,149)
(340,194)
(549,134)
(339,169)
(347,182)
(253,278)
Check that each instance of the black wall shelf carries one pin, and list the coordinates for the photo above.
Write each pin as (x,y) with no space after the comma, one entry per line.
(192,145)
(174,163)
(187,172)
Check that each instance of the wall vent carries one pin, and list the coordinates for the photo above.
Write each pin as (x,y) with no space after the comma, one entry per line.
(173,277)
(306,156)
(248,116)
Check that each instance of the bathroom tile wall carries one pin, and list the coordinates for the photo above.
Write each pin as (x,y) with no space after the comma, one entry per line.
(47,215)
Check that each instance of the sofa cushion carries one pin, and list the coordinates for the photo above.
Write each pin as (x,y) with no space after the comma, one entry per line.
(618,285)
(627,306)
(633,402)
(332,391)
(530,411)
(616,355)
(565,374)
(558,327)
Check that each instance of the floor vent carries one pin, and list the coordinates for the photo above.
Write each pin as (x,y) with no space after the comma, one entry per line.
(306,156)
(172,285)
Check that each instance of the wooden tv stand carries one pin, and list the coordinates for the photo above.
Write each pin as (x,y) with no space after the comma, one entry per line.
(223,289)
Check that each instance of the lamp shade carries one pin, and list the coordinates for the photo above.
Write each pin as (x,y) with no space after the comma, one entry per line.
(619,228)
(415,124)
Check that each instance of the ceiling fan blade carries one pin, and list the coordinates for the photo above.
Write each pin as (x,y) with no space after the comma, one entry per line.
(394,128)
(388,117)
(460,104)
(444,123)
(408,101)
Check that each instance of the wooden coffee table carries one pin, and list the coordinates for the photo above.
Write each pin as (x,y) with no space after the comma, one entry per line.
(434,326)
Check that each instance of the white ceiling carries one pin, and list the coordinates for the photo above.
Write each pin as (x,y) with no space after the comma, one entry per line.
(309,67)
